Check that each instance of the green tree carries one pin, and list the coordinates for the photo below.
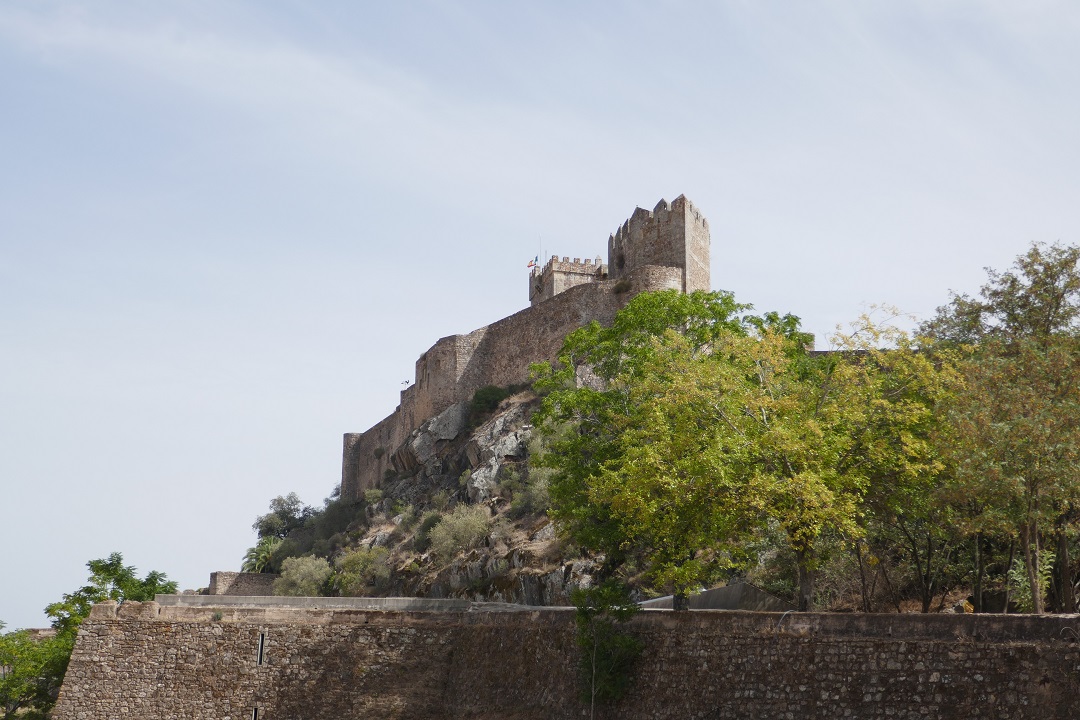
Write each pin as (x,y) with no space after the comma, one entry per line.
(287,513)
(109,579)
(362,570)
(1016,425)
(303,577)
(259,558)
(32,668)
(592,409)
(684,427)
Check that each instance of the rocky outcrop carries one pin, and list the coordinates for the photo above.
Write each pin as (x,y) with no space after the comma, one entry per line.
(520,562)
(501,439)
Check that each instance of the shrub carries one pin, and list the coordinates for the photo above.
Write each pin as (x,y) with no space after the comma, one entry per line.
(486,401)
(440,500)
(462,529)
(362,569)
(422,540)
(533,499)
(373,496)
(303,576)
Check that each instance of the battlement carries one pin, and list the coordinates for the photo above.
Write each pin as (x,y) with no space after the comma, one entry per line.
(560,275)
(673,234)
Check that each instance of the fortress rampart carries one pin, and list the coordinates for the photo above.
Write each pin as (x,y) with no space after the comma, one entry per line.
(667,248)
(284,661)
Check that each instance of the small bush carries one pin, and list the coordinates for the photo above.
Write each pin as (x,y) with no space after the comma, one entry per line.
(486,401)
(361,570)
(464,528)
(509,480)
(379,452)
(532,500)
(440,500)
(410,515)
(422,539)
(373,496)
(303,577)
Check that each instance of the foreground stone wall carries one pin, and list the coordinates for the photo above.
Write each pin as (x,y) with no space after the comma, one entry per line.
(202,662)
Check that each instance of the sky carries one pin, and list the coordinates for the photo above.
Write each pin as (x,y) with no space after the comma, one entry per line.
(228,228)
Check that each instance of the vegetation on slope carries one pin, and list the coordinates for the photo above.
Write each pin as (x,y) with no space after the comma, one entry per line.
(693,442)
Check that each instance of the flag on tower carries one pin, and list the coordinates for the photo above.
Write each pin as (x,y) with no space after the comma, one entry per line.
(534,262)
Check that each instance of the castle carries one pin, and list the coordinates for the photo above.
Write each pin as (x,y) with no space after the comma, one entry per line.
(667,248)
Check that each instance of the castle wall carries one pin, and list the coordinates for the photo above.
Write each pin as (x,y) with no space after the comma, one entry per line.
(499,354)
(667,248)
(203,663)
(560,275)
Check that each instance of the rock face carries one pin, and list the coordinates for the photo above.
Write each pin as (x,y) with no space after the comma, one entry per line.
(520,560)
(501,439)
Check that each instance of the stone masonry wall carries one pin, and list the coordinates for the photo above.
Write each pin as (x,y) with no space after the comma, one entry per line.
(225,582)
(560,275)
(667,248)
(308,664)
(674,234)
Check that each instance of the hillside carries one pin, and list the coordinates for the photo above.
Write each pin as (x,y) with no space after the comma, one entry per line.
(461,515)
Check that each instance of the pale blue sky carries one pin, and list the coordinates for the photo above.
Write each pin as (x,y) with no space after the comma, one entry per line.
(228,228)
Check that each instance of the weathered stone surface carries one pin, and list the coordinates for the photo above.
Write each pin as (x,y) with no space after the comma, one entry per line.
(342,664)
(236,583)
(501,438)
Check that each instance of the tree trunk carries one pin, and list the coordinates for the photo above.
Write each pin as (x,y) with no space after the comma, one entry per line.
(680,601)
(1064,573)
(1031,562)
(805,601)
(862,577)
(977,596)
(1008,568)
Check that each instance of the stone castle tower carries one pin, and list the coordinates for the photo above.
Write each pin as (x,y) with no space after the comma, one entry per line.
(667,248)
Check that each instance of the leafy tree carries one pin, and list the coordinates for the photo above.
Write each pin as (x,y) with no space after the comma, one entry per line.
(303,577)
(1016,425)
(258,559)
(1016,440)
(361,570)
(590,403)
(1038,298)
(31,670)
(685,426)
(109,579)
(287,513)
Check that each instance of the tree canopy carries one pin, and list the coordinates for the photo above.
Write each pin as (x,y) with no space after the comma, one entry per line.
(34,666)
(689,426)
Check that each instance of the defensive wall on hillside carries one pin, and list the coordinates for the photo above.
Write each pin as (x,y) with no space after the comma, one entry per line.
(666,248)
(189,658)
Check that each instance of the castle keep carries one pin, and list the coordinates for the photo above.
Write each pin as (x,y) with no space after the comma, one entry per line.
(667,248)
